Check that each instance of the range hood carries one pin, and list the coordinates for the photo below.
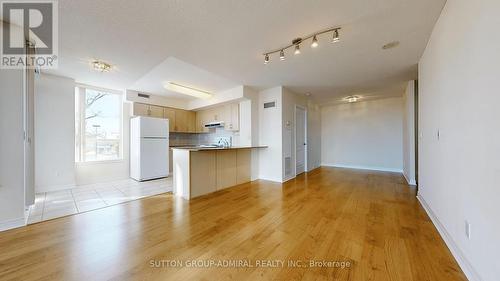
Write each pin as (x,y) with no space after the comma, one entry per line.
(214,124)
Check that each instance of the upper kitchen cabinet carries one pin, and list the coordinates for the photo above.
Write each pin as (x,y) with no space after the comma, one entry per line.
(141,109)
(169,113)
(185,121)
(229,114)
(180,121)
(232,117)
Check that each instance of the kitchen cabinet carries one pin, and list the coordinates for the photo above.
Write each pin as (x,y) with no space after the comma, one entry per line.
(180,120)
(202,117)
(229,114)
(156,111)
(226,169)
(232,117)
(185,121)
(141,109)
(169,113)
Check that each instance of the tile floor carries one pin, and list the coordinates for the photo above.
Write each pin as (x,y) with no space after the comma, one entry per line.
(50,205)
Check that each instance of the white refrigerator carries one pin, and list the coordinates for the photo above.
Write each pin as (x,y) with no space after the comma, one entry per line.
(148,148)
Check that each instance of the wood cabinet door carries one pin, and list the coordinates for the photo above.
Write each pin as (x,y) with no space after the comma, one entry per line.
(156,111)
(235,117)
(140,109)
(181,120)
(201,118)
(226,169)
(191,121)
(169,113)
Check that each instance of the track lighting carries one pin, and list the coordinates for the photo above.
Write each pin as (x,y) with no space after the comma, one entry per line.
(336,37)
(314,43)
(297,49)
(297,41)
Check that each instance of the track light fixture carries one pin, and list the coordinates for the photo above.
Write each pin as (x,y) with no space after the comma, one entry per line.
(314,43)
(297,49)
(297,41)
(336,37)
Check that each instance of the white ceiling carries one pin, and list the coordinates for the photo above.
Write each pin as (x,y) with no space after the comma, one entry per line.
(226,38)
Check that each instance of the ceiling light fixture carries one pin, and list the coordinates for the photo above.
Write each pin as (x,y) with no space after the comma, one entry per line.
(336,37)
(297,41)
(352,98)
(186,90)
(297,49)
(390,45)
(314,43)
(101,66)
(266,59)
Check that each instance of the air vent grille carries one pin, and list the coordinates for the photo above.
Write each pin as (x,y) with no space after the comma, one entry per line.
(270,104)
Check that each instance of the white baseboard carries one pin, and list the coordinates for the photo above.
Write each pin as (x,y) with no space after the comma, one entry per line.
(410,181)
(462,261)
(39,189)
(14,223)
(383,169)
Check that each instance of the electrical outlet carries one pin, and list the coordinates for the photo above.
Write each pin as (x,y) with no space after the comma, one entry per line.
(467,229)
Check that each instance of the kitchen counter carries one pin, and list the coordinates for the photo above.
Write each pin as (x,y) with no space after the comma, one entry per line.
(200,148)
(202,170)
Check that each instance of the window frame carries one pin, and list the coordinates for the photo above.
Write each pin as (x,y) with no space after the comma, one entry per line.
(80,122)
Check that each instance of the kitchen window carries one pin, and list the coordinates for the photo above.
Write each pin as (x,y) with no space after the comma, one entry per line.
(98,117)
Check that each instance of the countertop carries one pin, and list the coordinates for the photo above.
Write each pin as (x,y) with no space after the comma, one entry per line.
(197,148)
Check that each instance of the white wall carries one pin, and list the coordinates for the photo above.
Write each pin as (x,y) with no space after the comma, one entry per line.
(11,149)
(270,134)
(54,132)
(409,133)
(365,134)
(459,97)
(313,136)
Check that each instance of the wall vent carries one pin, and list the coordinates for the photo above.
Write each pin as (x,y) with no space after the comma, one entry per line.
(143,95)
(270,104)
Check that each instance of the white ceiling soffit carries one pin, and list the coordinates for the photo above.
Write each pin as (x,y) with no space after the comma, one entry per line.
(228,37)
(174,70)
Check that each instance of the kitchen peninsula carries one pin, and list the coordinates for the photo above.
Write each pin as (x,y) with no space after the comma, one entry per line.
(202,170)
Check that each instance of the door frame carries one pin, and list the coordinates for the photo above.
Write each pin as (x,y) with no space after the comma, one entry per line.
(295,137)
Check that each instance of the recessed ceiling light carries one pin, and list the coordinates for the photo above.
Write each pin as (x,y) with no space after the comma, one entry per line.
(186,90)
(390,45)
(101,66)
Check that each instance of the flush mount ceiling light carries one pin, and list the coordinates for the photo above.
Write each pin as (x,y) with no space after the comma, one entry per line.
(101,66)
(352,98)
(296,43)
(186,90)
(390,45)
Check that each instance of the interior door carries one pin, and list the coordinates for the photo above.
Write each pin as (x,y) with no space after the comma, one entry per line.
(300,140)
(29,131)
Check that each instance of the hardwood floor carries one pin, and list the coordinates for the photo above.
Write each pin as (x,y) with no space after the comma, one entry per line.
(370,223)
